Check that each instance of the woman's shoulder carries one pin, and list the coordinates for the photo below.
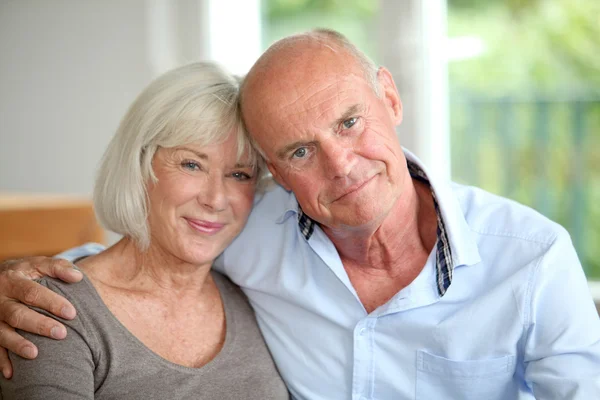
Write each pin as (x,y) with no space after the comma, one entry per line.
(86,300)
(63,367)
(81,292)
(227,287)
(234,299)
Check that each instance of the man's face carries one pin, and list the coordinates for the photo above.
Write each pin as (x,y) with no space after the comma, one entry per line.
(331,140)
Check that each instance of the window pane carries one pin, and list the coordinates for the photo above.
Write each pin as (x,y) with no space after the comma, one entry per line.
(525,108)
(356,19)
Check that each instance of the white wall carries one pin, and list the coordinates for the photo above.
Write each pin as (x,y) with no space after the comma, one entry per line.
(68,70)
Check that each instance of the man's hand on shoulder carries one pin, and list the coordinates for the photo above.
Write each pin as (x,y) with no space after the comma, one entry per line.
(18,290)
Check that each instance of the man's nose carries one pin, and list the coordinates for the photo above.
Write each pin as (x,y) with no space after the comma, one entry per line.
(339,158)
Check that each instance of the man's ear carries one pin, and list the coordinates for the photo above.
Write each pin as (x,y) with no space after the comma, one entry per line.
(278,178)
(390,94)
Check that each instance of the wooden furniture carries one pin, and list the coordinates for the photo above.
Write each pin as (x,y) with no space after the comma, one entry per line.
(43,224)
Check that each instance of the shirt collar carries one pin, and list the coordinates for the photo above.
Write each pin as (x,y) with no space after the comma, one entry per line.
(455,244)
(462,241)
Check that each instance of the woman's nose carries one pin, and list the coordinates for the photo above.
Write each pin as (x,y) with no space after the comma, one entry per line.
(214,196)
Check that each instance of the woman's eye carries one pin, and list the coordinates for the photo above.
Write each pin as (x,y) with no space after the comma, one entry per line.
(300,153)
(241,176)
(190,165)
(349,123)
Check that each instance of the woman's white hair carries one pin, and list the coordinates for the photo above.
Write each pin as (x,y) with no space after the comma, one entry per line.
(194,103)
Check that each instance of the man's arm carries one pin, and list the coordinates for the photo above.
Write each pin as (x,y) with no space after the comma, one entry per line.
(17,290)
(562,349)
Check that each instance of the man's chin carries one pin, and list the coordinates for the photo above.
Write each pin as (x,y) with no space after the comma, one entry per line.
(359,219)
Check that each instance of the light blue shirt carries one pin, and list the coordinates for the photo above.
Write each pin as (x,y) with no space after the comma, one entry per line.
(517,321)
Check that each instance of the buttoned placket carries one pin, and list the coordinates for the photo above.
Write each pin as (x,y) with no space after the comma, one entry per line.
(364,359)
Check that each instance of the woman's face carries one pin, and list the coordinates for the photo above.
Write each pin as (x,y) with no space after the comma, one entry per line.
(201,201)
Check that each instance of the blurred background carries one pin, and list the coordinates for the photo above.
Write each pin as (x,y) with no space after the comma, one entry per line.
(501,94)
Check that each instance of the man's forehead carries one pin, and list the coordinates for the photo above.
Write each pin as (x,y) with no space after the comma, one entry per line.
(300,70)
(300,96)
(320,98)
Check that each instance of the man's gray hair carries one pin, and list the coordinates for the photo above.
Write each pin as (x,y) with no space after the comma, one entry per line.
(196,103)
(367,65)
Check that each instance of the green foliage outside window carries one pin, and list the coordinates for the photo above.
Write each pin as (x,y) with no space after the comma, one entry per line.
(530,105)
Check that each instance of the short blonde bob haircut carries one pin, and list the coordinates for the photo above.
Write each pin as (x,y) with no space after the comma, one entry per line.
(195,103)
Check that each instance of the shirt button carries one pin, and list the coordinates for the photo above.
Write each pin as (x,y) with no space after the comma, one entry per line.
(362,332)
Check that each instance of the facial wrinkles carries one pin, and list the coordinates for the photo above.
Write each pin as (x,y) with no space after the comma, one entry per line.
(369,147)
(301,96)
(322,109)
(310,99)
(388,140)
(170,174)
(297,115)
(323,133)
(345,94)
(314,111)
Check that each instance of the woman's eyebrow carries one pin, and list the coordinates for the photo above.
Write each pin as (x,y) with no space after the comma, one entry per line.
(201,155)
(244,165)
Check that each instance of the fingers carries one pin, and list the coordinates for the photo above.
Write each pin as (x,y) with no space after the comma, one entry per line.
(38,267)
(21,317)
(16,343)
(16,285)
(33,294)
(5,364)
(57,268)
(67,274)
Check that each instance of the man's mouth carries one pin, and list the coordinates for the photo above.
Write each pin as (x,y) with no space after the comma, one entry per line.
(353,189)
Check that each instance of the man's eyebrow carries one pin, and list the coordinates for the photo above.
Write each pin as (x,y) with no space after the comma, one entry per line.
(350,111)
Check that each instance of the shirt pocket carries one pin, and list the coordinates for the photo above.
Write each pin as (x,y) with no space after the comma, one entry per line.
(441,378)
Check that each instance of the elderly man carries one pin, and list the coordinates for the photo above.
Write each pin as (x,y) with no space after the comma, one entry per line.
(372,279)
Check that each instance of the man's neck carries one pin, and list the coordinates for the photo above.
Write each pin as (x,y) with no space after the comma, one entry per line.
(407,230)
(383,259)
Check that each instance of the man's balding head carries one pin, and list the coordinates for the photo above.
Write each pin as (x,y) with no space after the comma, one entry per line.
(295,47)
(300,58)
(324,117)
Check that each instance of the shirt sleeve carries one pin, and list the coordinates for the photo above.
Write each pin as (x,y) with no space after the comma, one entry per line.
(562,349)
(63,369)
(88,249)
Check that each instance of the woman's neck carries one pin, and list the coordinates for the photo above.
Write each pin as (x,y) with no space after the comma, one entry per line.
(153,271)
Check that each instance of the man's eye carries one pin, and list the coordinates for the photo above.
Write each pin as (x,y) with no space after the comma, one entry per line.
(300,153)
(349,123)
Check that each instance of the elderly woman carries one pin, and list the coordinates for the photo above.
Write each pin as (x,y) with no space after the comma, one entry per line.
(178,182)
